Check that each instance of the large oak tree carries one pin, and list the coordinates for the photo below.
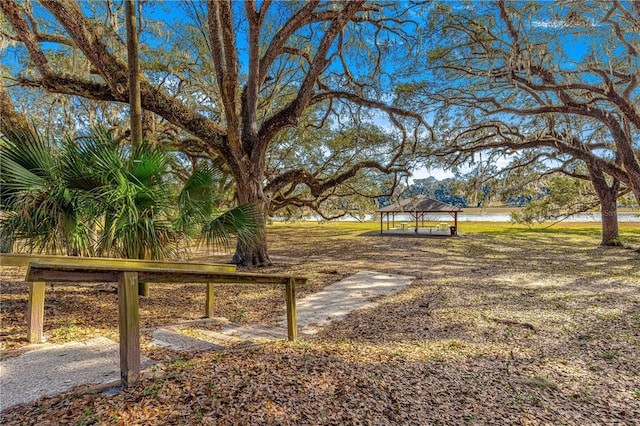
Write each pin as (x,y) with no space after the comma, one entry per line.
(235,76)
(520,76)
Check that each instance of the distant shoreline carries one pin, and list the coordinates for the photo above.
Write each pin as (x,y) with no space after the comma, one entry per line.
(488,210)
(479,214)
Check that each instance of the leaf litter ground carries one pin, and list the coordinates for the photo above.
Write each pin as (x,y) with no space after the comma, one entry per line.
(498,328)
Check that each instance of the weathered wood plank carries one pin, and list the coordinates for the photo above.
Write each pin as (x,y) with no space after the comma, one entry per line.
(35,312)
(292,315)
(71,276)
(23,260)
(217,277)
(209,301)
(129,324)
(101,273)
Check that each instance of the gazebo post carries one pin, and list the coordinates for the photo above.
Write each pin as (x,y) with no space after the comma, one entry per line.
(381,223)
(455,221)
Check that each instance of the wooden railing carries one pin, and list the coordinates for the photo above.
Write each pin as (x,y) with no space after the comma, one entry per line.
(23,260)
(129,274)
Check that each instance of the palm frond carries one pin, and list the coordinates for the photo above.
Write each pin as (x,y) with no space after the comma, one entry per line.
(27,164)
(38,204)
(148,164)
(32,151)
(241,222)
(197,198)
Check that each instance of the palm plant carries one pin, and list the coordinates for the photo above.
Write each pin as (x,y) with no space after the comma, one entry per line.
(38,208)
(127,186)
(123,194)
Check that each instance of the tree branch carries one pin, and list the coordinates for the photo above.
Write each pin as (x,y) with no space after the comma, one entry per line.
(290,114)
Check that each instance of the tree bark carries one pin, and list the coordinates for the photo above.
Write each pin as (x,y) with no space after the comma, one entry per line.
(608,197)
(249,191)
(135,109)
(609,212)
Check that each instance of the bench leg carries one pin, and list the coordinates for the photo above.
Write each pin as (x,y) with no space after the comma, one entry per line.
(35,314)
(143,289)
(129,323)
(292,316)
(208,309)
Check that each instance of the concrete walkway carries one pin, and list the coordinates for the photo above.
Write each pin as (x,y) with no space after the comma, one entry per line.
(337,300)
(57,368)
(53,369)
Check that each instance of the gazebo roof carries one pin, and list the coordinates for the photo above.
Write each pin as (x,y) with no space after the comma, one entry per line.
(419,204)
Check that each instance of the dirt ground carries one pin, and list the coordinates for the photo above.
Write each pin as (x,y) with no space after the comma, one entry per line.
(499,327)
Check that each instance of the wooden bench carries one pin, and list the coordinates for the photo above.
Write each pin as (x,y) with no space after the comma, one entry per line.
(128,275)
(35,311)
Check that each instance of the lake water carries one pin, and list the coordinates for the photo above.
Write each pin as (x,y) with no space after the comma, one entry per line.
(582,217)
(495,217)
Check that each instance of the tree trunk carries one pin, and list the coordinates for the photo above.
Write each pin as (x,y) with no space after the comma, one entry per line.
(609,212)
(249,190)
(148,127)
(608,197)
(135,109)
(625,154)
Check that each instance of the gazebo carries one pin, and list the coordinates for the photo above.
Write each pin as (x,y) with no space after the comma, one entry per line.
(418,208)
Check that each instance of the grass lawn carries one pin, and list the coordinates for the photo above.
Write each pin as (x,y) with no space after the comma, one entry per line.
(504,325)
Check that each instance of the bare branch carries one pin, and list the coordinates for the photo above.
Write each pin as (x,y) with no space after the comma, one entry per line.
(12,12)
(289,115)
